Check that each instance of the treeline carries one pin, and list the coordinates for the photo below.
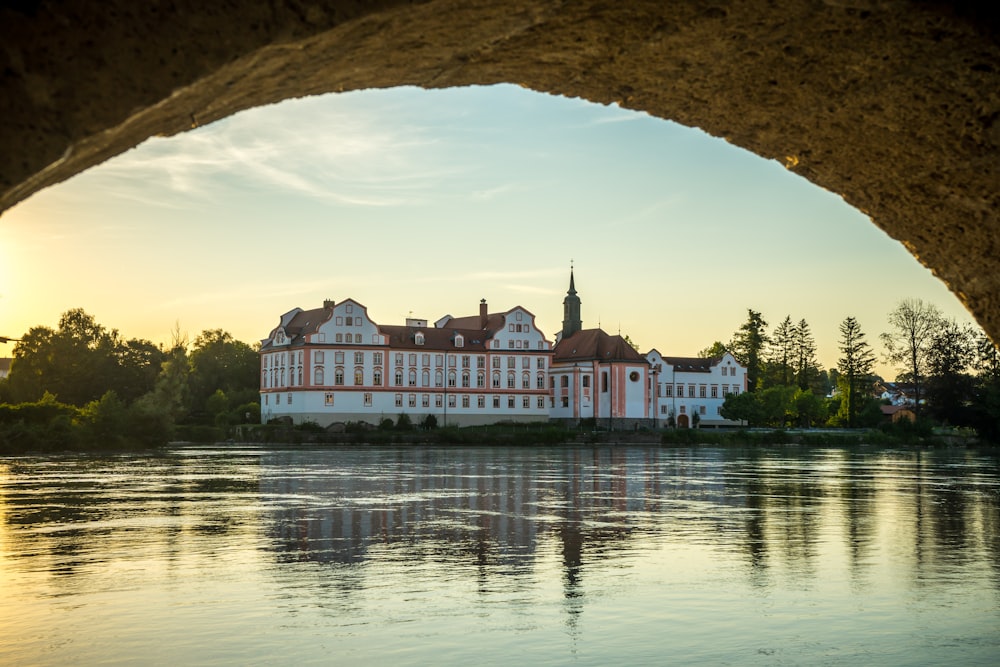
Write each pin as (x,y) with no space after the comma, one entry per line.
(951,370)
(81,385)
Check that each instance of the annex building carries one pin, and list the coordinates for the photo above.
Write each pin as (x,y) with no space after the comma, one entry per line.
(335,364)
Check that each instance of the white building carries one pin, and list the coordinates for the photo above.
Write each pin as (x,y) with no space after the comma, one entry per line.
(596,375)
(690,386)
(335,364)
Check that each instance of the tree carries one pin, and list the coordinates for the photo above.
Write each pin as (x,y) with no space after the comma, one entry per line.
(781,353)
(985,409)
(809,408)
(855,365)
(743,407)
(748,345)
(218,362)
(913,325)
(80,361)
(715,350)
(949,386)
(806,368)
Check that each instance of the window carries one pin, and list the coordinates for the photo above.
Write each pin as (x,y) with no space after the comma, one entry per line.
(701,391)
(412,400)
(725,370)
(481,379)
(480,401)
(438,379)
(510,344)
(425,400)
(377,358)
(340,321)
(465,401)
(328,398)
(510,327)
(459,341)
(399,358)
(398,379)
(412,378)
(565,401)
(368,399)
(510,402)
(518,315)
(511,362)
(359,376)
(525,381)
(359,357)
(736,390)
(525,362)
(419,338)
(289,398)
(338,357)
(541,402)
(466,361)
(349,321)
(465,379)
(715,391)
(377,378)
(586,380)
(680,391)
(350,309)
(452,361)
(451,400)
(604,382)
(663,409)
(318,375)
(496,401)
(277,399)
(540,381)
(701,409)
(413,359)
(357,337)
(438,401)
(564,381)
(510,380)
(318,356)
(338,377)
(540,361)
(439,360)
(691,390)
(525,402)
(496,380)
(480,362)
(451,378)
(425,378)
(496,362)
(683,409)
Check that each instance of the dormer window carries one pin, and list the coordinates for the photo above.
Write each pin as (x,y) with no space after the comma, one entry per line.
(459,340)
(419,338)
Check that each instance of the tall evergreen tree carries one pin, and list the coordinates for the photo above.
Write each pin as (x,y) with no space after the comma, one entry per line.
(748,346)
(806,367)
(781,353)
(949,385)
(855,365)
(914,324)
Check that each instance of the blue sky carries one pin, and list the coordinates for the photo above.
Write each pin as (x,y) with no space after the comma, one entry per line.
(422,203)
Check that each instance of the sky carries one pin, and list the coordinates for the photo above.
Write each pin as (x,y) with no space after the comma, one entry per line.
(420,203)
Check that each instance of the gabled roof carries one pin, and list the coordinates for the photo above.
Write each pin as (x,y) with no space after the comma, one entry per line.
(402,337)
(692,364)
(595,344)
(494,322)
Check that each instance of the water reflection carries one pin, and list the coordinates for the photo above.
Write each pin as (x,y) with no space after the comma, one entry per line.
(387,547)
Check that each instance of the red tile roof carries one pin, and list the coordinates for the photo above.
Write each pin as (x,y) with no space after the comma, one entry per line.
(595,344)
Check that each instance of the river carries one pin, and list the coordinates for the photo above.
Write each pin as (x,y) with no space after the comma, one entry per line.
(222,555)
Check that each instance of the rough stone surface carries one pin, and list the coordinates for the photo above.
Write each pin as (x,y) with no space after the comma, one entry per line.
(892,104)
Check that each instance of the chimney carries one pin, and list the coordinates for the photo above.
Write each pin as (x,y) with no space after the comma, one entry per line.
(483,314)
(328,304)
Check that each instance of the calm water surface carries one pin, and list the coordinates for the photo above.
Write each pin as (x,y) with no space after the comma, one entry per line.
(490,556)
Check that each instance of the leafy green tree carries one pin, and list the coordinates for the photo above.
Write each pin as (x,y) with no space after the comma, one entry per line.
(80,361)
(914,324)
(776,405)
(855,365)
(950,387)
(748,345)
(713,351)
(219,362)
(745,407)
(809,409)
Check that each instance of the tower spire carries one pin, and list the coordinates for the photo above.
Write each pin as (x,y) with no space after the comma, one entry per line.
(571,309)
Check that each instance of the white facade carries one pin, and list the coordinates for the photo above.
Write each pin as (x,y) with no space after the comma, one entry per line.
(689,386)
(335,364)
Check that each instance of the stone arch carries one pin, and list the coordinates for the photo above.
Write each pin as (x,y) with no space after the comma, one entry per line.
(892,104)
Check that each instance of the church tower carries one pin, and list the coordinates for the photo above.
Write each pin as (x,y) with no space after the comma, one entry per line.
(571,310)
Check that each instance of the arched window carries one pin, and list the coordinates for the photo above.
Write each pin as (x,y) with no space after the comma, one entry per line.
(510,380)
(459,340)
(540,384)
(413,377)
(318,375)
(438,379)
(398,378)
(338,376)
(357,338)
(465,379)
(481,379)
(377,377)
(451,378)
(419,338)
(525,381)
(496,379)
(425,378)
(359,376)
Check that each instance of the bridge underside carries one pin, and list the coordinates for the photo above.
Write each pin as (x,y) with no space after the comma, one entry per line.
(892,104)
